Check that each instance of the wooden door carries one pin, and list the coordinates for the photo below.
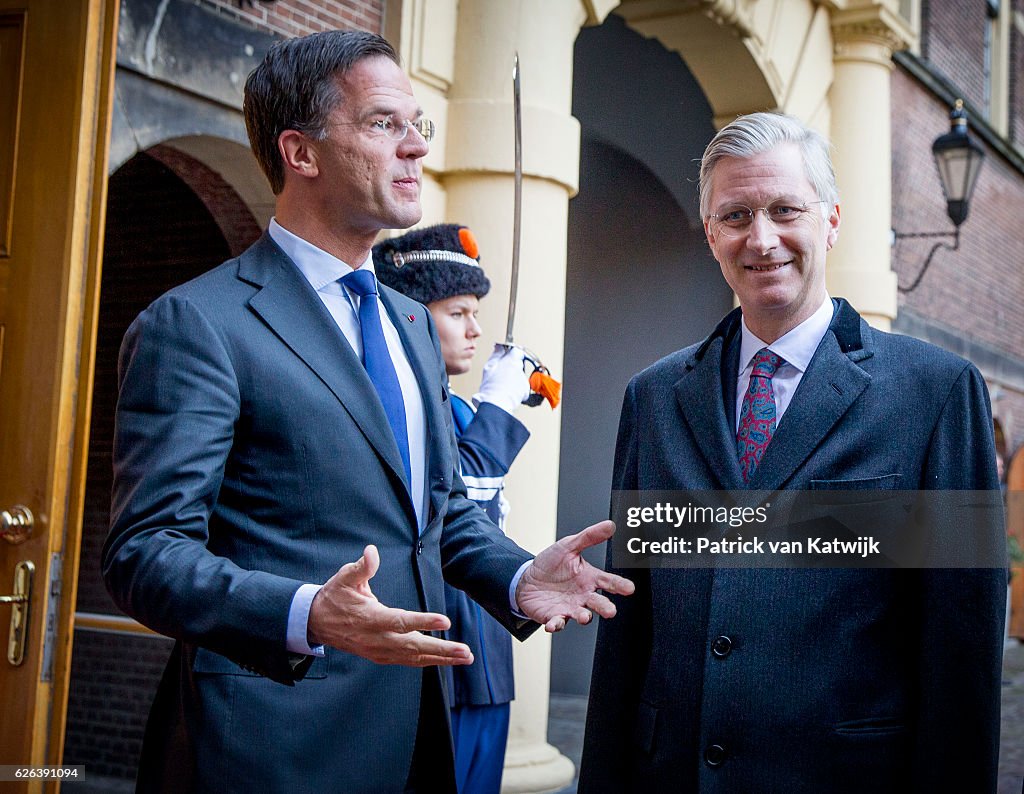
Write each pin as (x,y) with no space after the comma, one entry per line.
(56,81)
(1015,526)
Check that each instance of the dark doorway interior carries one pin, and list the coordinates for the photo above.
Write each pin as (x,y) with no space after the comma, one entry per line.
(641,282)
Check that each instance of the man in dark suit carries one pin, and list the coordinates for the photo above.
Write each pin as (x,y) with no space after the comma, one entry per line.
(798,680)
(283,422)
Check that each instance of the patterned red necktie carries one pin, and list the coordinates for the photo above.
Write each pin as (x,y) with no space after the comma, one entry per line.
(757,414)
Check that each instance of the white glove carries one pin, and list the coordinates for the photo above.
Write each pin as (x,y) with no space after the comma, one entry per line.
(504,383)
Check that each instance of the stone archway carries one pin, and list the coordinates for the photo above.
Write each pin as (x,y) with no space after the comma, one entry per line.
(235,164)
(829,65)
(217,178)
(746,56)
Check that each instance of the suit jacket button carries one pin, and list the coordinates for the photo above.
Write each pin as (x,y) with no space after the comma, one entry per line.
(419,547)
(721,646)
(714,755)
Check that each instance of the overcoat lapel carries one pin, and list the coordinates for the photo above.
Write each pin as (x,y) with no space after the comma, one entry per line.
(702,397)
(289,306)
(832,383)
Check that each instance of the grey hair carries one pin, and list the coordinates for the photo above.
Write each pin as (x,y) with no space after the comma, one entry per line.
(758,132)
(296,87)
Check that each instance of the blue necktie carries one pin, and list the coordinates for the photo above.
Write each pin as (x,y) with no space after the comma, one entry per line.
(377,359)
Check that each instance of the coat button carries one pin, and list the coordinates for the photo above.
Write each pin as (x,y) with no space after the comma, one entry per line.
(714,755)
(419,547)
(721,646)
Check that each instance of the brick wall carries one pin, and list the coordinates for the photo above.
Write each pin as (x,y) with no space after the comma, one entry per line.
(975,291)
(955,43)
(113,682)
(298,17)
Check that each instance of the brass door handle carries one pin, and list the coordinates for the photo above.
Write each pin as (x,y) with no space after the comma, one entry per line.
(18,633)
(16,524)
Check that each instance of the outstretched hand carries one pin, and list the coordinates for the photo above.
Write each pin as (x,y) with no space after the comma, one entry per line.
(560,585)
(345,614)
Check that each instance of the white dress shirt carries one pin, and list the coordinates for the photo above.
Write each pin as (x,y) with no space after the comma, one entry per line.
(323,272)
(796,346)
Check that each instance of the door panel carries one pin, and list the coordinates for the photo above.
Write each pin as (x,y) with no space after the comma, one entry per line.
(1015,526)
(12,41)
(56,79)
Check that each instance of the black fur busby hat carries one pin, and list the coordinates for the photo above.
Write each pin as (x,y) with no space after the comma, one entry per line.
(432,263)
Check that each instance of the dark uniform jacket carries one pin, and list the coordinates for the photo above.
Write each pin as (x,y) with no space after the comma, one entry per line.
(489,440)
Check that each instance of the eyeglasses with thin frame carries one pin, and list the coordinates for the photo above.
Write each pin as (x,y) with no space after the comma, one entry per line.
(396,129)
(735,219)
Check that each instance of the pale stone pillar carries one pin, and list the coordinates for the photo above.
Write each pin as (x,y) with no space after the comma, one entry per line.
(859,267)
(477,178)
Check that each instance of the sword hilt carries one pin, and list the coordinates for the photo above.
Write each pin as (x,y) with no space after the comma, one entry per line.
(542,385)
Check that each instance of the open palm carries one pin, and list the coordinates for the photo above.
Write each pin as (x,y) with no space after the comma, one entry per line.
(560,585)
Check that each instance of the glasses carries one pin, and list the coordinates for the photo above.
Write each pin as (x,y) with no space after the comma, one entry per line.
(735,220)
(397,129)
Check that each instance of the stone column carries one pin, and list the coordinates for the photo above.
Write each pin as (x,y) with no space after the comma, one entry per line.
(865,35)
(477,181)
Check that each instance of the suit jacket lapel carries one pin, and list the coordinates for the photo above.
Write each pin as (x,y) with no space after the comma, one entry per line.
(288,304)
(702,394)
(831,384)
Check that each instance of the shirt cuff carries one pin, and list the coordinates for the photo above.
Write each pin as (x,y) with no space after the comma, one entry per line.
(512,590)
(298,621)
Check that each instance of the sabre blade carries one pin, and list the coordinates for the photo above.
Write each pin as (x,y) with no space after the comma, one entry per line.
(517,206)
